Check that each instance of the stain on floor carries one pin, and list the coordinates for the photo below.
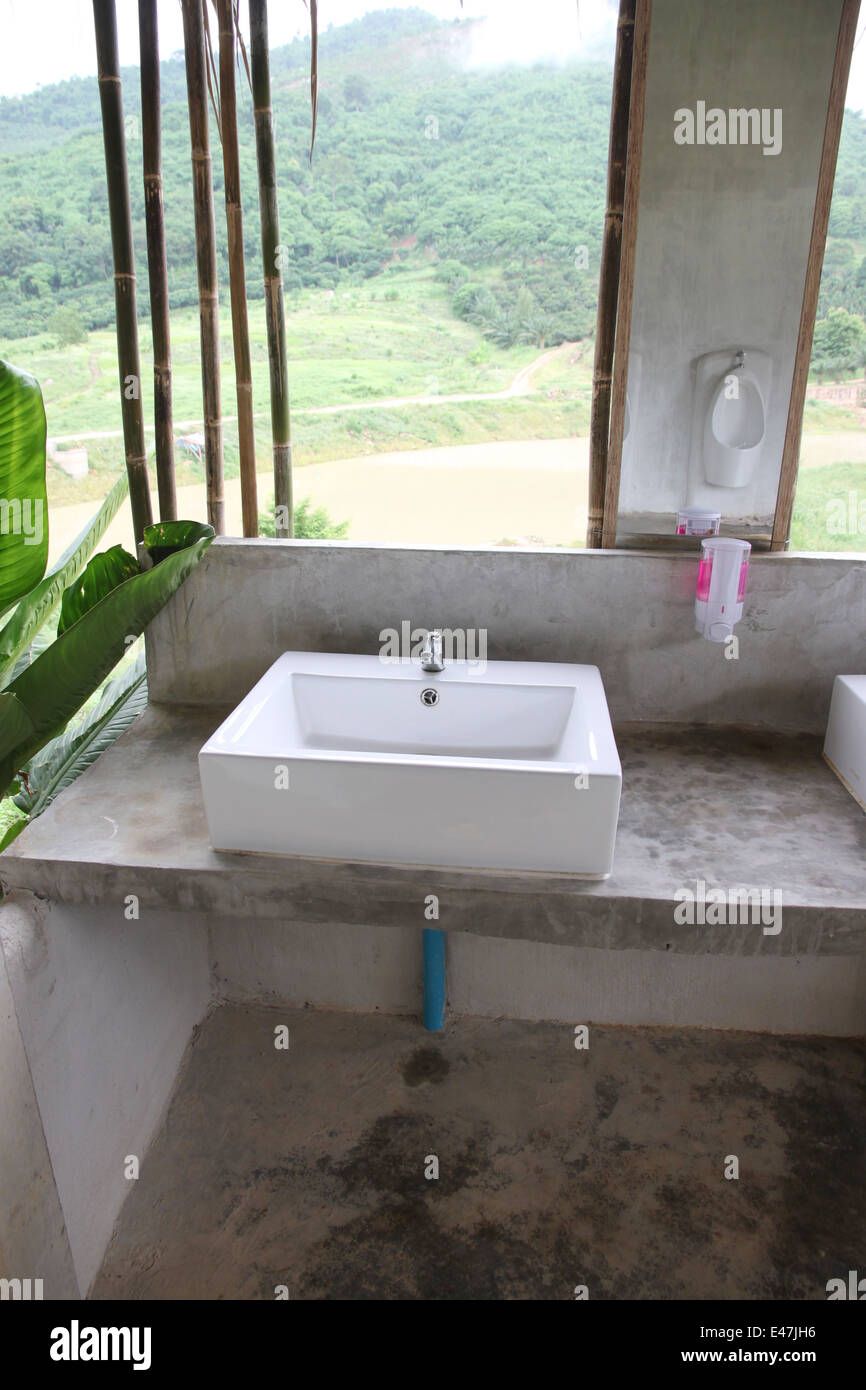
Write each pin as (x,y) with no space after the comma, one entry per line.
(496,1161)
(425,1064)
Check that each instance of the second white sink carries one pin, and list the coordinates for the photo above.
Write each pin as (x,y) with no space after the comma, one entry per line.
(845,744)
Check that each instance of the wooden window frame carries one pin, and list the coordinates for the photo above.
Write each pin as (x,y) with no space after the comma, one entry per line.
(616,286)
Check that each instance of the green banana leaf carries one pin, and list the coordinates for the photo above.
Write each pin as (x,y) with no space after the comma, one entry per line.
(39,603)
(104,572)
(16,726)
(23,499)
(12,830)
(59,681)
(44,637)
(65,758)
(163,538)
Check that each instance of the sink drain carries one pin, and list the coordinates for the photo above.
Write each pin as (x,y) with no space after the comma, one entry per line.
(429,696)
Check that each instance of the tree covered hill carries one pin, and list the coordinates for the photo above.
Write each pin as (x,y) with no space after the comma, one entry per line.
(498,175)
(501,171)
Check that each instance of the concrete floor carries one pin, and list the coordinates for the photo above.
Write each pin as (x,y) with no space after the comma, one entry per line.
(557,1167)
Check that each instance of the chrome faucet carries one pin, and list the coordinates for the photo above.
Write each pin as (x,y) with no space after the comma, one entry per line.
(431,654)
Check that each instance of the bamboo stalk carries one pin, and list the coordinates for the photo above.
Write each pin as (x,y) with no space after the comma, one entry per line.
(235,226)
(608,285)
(151,147)
(274,304)
(206,258)
(120,216)
(625,300)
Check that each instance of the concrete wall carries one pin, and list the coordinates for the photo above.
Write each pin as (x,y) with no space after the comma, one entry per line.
(631,614)
(106,1008)
(723,230)
(33,1240)
(370,968)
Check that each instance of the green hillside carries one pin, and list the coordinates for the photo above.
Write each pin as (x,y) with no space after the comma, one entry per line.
(502,173)
(499,174)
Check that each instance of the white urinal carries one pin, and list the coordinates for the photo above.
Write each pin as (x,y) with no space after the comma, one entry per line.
(734,427)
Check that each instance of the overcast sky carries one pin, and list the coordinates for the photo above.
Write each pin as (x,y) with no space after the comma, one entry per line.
(47,40)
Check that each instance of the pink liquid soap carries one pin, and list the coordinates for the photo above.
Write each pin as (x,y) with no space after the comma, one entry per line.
(704,571)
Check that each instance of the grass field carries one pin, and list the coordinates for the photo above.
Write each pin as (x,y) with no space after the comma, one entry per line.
(830,508)
(391,338)
(351,344)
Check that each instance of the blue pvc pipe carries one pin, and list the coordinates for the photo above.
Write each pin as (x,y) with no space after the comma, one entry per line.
(434,979)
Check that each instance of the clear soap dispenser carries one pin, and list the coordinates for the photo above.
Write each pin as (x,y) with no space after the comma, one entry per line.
(722,576)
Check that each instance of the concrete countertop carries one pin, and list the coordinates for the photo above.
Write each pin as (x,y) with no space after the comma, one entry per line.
(726,806)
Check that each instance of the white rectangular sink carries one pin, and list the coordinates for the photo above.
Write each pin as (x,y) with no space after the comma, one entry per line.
(845,744)
(505,765)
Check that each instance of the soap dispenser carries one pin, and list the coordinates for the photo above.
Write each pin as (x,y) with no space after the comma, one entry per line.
(722,577)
